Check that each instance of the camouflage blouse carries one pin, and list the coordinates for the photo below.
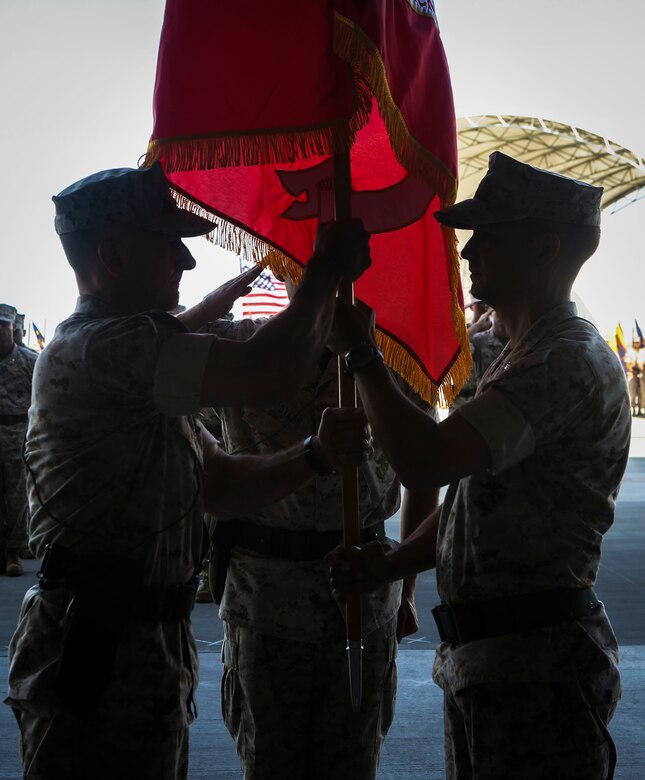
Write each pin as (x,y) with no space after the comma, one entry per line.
(554,411)
(110,472)
(16,370)
(292,599)
(485,347)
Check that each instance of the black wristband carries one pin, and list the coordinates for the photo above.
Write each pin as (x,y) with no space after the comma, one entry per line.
(361,355)
(313,461)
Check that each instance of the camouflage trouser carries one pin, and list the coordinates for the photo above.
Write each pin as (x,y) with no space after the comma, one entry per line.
(13,489)
(287,705)
(530,731)
(78,747)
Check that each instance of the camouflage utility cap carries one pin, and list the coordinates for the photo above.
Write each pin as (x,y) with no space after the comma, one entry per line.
(7,313)
(131,196)
(20,321)
(512,190)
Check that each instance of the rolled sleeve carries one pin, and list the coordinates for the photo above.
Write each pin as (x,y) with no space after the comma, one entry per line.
(503,427)
(180,373)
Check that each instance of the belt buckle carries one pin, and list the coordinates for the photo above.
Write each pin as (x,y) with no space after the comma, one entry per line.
(379,534)
(373,533)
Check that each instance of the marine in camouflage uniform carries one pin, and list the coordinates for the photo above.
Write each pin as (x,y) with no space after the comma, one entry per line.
(19,332)
(16,371)
(103,664)
(99,452)
(285,695)
(528,658)
(535,522)
(635,384)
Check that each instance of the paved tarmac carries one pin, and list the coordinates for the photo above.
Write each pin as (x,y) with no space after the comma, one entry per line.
(413,750)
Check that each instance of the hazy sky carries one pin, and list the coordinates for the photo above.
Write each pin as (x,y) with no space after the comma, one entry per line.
(76,79)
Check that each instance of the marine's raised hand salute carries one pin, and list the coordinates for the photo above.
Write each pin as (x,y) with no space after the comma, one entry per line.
(217,303)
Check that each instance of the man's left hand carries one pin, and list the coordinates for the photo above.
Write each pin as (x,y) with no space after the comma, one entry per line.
(351,326)
(343,438)
(407,621)
(362,569)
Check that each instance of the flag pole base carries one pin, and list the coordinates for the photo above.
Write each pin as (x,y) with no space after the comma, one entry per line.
(355,667)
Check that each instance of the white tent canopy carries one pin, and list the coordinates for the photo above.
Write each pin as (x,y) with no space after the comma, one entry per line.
(554,146)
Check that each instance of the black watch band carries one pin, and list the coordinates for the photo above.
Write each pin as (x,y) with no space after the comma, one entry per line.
(313,461)
(361,355)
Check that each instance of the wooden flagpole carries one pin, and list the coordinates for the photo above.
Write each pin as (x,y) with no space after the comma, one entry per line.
(347,397)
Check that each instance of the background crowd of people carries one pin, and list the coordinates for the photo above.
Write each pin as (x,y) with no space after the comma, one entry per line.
(16,371)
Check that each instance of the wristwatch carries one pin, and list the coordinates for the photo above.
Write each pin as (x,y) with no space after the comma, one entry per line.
(313,460)
(361,355)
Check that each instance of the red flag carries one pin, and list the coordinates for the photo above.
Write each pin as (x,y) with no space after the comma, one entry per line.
(251,99)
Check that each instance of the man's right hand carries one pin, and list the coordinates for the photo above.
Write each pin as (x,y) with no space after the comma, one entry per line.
(352,325)
(485,322)
(343,438)
(357,569)
(283,352)
(341,247)
(218,303)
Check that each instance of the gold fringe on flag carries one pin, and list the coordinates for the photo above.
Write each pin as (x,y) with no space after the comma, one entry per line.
(356,48)
(254,249)
(257,147)
(462,367)
(276,146)
(400,359)
(235,239)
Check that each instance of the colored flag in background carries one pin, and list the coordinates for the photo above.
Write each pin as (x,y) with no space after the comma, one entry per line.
(246,138)
(621,347)
(268,295)
(638,342)
(39,337)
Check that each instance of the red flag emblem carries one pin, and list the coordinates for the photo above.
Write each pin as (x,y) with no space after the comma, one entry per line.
(252,99)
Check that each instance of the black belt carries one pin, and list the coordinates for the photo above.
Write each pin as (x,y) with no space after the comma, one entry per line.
(13,419)
(102,594)
(154,604)
(149,604)
(483,620)
(292,545)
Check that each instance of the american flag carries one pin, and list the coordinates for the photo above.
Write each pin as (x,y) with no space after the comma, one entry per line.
(268,296)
